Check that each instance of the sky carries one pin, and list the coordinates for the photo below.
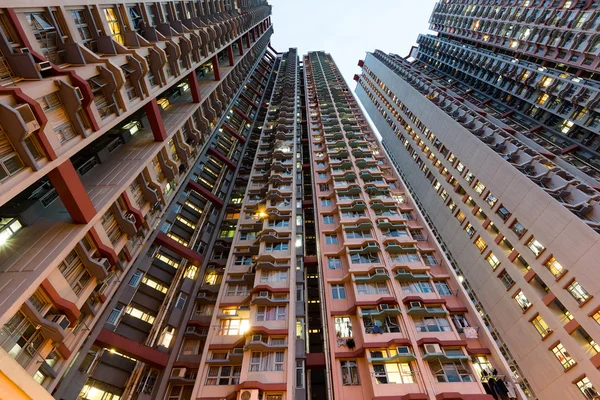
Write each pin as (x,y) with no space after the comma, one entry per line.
(347,29)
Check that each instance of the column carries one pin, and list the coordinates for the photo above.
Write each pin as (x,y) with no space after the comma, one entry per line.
(194,88)
(156,122)
(230,55)
(73,195)
(216,70)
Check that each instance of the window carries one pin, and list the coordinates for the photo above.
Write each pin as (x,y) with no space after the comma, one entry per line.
(242,260)
(334,263)
(276,247)
(166,336)
(328,219)
(20,339)
(429,259)
(181,300)
(585,386)
(358,234)
(416,287)
(299,374)
(136,278)
(393,373)
(233,326)
(480,243)
(578,292)
(343,327)
(522,301)
(324,187)
(223,375)
(503,213)
(506,279)
(140,313)
(432,324)
(492,260)
(331,239)
(554,267)
(443,288)
(541,326)
(113,24)
(74,272)
(338,291)
(367,258)
(94,389)
(479,187)
(349,373)
(459,321)
(450,371)
(518,229)
(113,318)
(491,200)
(372,288)
(470,230)
(325,202)
(266,361)
(563,356)
(271,313)
(535,246)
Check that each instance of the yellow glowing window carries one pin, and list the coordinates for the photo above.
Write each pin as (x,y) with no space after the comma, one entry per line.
(113,24)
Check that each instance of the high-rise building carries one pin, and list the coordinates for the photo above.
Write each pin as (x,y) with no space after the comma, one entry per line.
(126,134)
(493,122)
(186,213)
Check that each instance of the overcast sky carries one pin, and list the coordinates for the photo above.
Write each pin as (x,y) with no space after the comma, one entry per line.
(349,28)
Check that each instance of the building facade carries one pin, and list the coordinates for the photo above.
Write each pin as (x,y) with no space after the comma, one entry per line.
(492,122)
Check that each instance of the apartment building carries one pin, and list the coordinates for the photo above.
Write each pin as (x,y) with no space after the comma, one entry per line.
(492,123)
(125,130)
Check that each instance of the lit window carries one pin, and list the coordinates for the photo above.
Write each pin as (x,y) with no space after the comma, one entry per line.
(585,386)
(578,292)
(541,326)
(522,301)
(480,243)
(554,267)
(535,246)
(492,260)
(563,356)
(479,187)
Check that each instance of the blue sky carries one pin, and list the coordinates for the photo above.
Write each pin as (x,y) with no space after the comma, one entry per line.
(349,28)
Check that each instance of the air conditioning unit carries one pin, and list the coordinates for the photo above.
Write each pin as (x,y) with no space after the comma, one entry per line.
(79,94)
(263,294)
(190,329)
(43,66)
(256,338)
(384,307)
(23,50)
(243,308)
(59,319)
(380,271)
(432,348)
(179,372)
(403,350)
(415,304)
(130,216)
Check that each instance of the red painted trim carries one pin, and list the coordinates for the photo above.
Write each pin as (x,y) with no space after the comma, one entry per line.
(595,360)
(240,46)
(72,193)
(252,104)
(194,88)
(230,55)
(69,308)
(275,387)
(218,202)
(476,351)
(350,354)
(241,114)
(40,116)
(163,240)
(571,326)
(155,119)
(457,309)
(216,69)
(106,251)
(395,341)
(548,298)
(315,360)
(410,396)
(86,90)
(268,288)
(273,332)
(273,50)
(408,299)
(529,275)
(63,350)
(233,133)
(220,156)
(139,218)
(361,63)
(433,340)
(132,348)
(459,396)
